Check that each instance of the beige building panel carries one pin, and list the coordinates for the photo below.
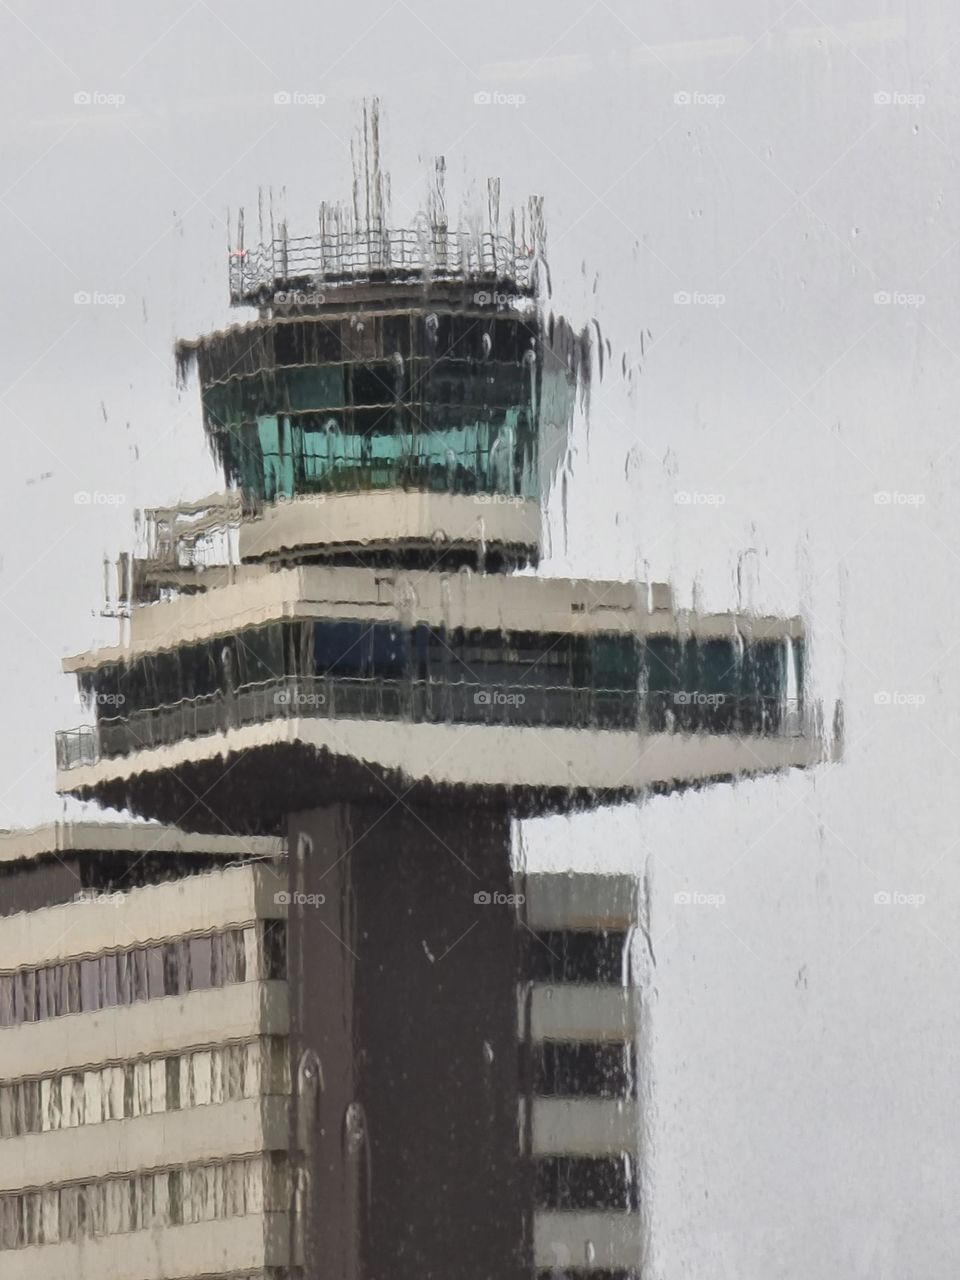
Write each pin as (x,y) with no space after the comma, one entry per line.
(168,1025)
(569,1011)
(387,517)
(587,1240)
(171,1253)
(194,904)
(486,755)
(90,1152)
(584,1126)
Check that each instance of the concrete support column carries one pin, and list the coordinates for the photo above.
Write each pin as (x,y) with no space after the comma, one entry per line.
(403,967)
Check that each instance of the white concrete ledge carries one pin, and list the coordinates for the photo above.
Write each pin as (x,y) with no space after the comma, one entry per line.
(389,517)
(587,1240)
(237,1012)
(567,1011)
(584,1126)
(168,1253)
(193,904)
(519,602)
(484,755)
(88,1152)
(129,837)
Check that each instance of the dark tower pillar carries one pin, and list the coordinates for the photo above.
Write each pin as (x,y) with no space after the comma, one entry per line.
(404,1043)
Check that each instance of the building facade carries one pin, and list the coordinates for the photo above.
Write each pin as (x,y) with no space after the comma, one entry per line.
(150,1128)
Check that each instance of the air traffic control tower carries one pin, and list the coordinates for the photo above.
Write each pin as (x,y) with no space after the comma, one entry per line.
(349,647)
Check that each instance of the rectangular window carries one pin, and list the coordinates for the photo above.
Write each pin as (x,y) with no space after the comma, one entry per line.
(125,983)
(583,1069)
(71,975)
(6,1000)
(11,1222)
(255,1073)
(30,1093)
(576,955)
(201,1078)
(234,956)
(43,1002)
(175,1206)
(172,969)
(249,944)
(109,994)
(92,1097)
(586,1183)
(32,1220)
(50,1217)
(8,1111)
(217,975)
(89,986)
(155,973)
(69,1213)
(25,996)
(50,1104)
(140,974)
(274,950)
(201,963)
(173,1084)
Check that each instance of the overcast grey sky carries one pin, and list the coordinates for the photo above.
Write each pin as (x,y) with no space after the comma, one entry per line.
(793,170)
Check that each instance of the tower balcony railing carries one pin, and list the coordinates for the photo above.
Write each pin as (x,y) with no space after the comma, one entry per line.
(356,257)
(428,702)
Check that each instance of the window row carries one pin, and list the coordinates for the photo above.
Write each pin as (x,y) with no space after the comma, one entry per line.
(137,1202)
(674,676)
(146,1087)
(143,973)
(577,955)
(587,1183)
(263,347)
(581,1069)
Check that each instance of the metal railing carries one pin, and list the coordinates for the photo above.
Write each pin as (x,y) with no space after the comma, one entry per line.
(426,702)
(359,256)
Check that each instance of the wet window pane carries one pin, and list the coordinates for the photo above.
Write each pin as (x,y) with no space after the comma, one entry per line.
(89,985)
(576,956)
(586,1183)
